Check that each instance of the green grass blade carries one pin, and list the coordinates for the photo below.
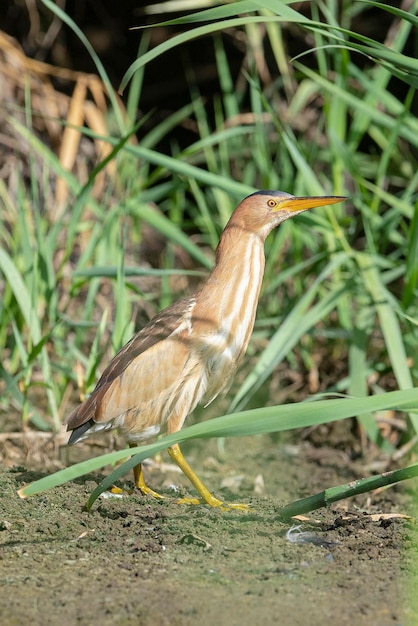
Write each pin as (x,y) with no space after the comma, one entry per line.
(170,230)
(186,170)
(12,389)
(409,129)
(348,490)
(24,300)
(400,13)
(202,31)
(109,271)
(411,278)
(117,110)
(388,321)
(235,8)
(254,422)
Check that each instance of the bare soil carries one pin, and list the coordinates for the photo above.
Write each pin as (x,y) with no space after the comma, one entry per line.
(137,560)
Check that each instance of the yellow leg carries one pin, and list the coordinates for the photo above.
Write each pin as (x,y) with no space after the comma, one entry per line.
(140,482)
(204,492)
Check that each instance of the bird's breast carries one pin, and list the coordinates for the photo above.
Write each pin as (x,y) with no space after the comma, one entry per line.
(223,315)
(220,353)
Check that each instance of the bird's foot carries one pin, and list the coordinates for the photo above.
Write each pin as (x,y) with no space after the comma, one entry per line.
(187,500)
(215,503)
(140,484)
(235,506)
(147,491)
(117,491)
(206,496)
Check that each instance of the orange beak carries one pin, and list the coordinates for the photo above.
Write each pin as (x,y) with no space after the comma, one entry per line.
(307,202)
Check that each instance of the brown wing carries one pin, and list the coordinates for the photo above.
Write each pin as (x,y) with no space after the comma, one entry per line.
(127,371)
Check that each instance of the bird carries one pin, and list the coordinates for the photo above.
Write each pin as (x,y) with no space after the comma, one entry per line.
(187,354)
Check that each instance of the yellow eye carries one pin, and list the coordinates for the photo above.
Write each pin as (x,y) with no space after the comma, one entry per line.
(271,203)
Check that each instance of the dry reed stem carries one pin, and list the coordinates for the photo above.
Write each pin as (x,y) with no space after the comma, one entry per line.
(53,110)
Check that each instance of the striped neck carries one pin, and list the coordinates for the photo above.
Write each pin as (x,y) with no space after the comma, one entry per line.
(229,297)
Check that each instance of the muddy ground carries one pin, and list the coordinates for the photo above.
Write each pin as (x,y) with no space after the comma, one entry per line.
(134,560)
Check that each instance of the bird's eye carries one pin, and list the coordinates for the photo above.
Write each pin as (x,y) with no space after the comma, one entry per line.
(271,203)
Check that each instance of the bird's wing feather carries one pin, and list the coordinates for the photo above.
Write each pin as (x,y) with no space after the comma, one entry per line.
(142,357)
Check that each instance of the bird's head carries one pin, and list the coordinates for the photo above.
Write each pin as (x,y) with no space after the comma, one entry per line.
(264,210)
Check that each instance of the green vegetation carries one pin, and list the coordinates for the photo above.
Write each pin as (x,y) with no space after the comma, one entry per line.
(340,283)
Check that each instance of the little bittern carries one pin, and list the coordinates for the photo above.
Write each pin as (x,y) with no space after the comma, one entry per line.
(188,353)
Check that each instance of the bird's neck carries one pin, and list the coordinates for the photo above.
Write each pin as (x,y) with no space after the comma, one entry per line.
(230,294)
